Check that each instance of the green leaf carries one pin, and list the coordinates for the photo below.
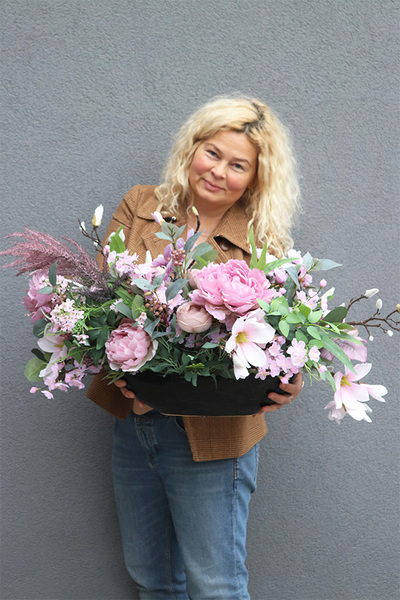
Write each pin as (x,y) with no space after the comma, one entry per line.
(103,336)
(143,284)
(293,274)
(327,264)
(151,325)
(301,337)
(46,290)
(164,236)
(284,327)
(39,327)
(123,309)
(264,305)
(315,316)
(53,274)
(33,368)
(38,353)
(314,332)
(253,259)
(157,281)
(332,347)
(275,264)
(191,241)
(305,310)
(209,345)
(174,289)
(293,318)
(337,315)
(116,244)
(307,260)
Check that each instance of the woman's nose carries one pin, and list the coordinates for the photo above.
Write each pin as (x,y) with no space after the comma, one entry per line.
(218,170)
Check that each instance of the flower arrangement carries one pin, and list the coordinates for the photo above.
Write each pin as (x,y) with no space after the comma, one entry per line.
(180,313)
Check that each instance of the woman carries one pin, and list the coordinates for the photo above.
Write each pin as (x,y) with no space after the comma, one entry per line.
(183,485)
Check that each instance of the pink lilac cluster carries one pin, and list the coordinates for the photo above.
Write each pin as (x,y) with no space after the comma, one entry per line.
(231,287)
(122,263)
(38,304)
(65,316)
(287,362)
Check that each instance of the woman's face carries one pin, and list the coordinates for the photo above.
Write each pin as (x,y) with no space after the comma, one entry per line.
(222,168)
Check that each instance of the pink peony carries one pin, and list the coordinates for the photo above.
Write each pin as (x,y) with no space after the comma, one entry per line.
(231,287)
(193,318)
(34,301)
(129,347)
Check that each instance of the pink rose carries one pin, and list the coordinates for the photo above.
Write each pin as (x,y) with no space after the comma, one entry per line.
(231,287)
(193,318)
(129,347)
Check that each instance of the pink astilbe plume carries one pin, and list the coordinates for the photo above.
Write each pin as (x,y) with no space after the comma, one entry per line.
(40,250)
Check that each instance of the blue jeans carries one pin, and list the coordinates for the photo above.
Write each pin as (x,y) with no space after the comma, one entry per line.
(183,523)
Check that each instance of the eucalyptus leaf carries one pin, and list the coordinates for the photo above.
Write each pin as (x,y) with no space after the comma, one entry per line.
(53,274)
(39,327)
(163,236)
(174,289)
(123,309)
(327,264)
(46,290)
(143,284)
(33,368)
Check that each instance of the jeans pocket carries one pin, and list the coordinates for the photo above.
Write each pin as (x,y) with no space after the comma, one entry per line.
(179,424)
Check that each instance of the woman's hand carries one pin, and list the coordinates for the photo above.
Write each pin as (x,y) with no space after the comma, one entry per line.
(292,391)
(139,408)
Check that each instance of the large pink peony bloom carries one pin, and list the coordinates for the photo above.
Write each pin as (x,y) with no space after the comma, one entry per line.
(129,347)
(231,287)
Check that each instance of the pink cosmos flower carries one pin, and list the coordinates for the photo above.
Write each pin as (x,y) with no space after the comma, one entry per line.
(231,287)
(249,335)
(129,347)
(350,397)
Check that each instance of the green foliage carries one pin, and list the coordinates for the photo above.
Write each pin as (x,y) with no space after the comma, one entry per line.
(33,368)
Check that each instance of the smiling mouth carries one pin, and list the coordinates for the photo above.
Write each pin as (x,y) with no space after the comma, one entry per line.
(212,186)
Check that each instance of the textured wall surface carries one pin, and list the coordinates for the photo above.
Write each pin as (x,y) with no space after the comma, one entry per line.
(93,92)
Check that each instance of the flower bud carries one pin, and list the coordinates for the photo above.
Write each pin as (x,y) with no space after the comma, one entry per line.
(371,338)
(378,304)
(371,292)
(193,318)
(98,215)
(83,226)
(157,217)
(322,283)
(398,308)
(195,211)
(389,332)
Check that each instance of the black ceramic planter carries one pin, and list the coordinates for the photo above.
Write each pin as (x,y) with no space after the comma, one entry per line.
(174,395)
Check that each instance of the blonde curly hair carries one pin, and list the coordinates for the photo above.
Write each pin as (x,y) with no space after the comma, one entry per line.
(271,201)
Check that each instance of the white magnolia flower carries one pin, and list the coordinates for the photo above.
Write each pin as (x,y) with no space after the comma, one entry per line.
(389,332)
(371,292)
(378,304)
(98,215)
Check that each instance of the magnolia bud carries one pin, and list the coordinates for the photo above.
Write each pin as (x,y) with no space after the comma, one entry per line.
(195,211)
(371,338)
(157,217)
(389,332)
(83,226)
(398,308)
(378,304)
(98,215)
(371,292)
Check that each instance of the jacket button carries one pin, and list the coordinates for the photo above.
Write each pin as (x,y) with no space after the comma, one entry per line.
(224,246)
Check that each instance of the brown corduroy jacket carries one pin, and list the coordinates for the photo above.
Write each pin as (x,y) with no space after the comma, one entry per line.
(210,438)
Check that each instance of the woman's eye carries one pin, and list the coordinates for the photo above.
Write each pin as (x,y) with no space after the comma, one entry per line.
(238,166)
(212,153)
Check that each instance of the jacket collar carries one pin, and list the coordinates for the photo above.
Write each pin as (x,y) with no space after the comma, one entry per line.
(232,227)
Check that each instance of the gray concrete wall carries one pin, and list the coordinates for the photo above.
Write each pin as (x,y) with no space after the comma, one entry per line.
(93,92)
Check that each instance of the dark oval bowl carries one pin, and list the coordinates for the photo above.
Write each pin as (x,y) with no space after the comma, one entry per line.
(174,395)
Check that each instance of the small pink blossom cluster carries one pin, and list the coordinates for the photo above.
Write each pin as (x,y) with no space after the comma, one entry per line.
(122,263)
(65,316)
